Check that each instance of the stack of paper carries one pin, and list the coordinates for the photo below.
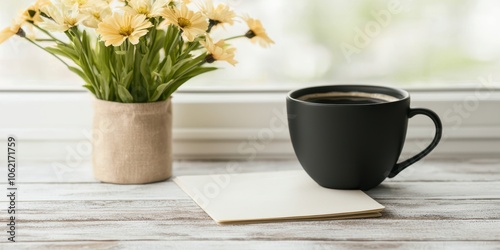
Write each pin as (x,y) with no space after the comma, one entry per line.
(265,197)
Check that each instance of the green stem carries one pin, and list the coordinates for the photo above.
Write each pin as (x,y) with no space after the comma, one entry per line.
(234,37)
(153,37)
(175,40)
(48,34)
(173,87)
(193,46)
(181,44)
(191,68)
(58,58)
(45,40)
(123,49)
(74,33)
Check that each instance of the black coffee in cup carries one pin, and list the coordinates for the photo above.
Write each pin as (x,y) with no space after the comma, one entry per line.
(351,136)
(351,98)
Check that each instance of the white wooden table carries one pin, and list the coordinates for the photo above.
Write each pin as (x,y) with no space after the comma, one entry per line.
(451,204)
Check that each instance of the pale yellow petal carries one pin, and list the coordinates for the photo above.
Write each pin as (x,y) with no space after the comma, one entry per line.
(220,15)
(192,24)
(219,51)
(6,33)
(258,32)
(115,29)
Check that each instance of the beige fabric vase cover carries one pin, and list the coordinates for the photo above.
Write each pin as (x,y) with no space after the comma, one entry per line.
(132,143)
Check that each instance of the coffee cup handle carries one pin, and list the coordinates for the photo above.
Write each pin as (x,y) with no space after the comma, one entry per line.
(439,129)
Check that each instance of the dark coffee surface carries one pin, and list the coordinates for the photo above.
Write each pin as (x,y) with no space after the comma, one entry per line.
(350,100)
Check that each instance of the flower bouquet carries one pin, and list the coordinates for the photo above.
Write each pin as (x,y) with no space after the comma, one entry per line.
(133,55)
(133,51)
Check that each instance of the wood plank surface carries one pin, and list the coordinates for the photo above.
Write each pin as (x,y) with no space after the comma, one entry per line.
(435,170)
(445,204)
(187,210)
(197,230)
(170,191)
(256,245)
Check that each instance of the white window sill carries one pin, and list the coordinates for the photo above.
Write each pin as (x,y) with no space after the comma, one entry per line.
(231,124)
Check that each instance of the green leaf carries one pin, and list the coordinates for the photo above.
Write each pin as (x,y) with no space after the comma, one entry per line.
(127,79)
(85,46)
(120,62)
(129,59)
(159,91)
(78,45)
(198,71)
(189,66)
(176,69)
(84,62)
(171,38)
(90,88)
(187,51)
(80,73)
(143,49)
(146,70)
(124,95)
(103,83)
(155,61)
(65,52)
(166,67)
(178,83)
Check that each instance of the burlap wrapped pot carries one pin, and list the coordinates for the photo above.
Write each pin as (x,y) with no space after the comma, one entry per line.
(132,143)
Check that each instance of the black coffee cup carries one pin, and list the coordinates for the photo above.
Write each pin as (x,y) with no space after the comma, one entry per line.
(351,136)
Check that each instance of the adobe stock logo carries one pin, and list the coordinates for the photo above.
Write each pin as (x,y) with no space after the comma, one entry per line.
(372,29)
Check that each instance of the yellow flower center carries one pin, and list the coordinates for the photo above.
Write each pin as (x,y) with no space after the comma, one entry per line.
(251,34)
(126,31)
(70,22)
(81,2)
(143,10)
(31,12)
(184,23)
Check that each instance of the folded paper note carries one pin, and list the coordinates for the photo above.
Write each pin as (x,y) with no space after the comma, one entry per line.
(266,197)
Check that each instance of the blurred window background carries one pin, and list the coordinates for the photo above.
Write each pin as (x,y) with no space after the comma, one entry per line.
(423,43)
